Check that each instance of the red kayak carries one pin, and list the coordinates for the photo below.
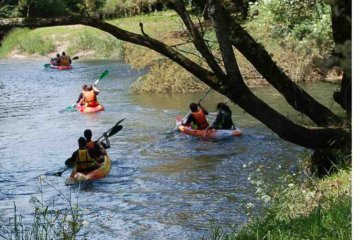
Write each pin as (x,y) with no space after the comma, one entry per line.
(61,67)
(213,133)
(85,109)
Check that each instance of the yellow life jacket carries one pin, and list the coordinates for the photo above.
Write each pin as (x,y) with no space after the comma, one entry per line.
(84,161)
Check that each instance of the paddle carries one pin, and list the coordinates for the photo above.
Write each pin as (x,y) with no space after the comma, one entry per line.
(187,115)
(102,76)
(48,64)
(112,131)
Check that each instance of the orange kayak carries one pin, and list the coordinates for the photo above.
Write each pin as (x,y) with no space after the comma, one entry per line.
(98,173)
(213,133)
(85,109)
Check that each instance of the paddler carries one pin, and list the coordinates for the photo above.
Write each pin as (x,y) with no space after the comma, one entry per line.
(89,96)
(81,160)
(55,61)
(223,118)
(96,149)
(197,119)
(65,60)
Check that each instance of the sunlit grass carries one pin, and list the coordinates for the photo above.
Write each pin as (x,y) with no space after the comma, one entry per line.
(315,209)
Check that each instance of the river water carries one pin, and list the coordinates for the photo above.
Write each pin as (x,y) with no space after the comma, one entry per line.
(162,186)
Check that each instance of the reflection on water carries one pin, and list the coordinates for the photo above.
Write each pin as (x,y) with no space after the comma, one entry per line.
(162,186)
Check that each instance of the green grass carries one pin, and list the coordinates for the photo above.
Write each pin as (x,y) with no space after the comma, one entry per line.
(26,41)
(318,209)
(77,39)
(49,219)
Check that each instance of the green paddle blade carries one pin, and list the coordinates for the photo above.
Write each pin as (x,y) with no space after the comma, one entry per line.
(75,58)
(47,65)
(104,74)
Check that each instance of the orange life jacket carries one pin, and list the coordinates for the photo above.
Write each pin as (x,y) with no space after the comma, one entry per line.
(64,61)
(90,145)
(84,161)
(200,119)
(90,98)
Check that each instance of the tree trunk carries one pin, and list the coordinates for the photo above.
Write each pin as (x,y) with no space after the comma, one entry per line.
(341,25)
(229,85)
(294,95)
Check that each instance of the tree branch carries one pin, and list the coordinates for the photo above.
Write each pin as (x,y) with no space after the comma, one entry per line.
(294,95)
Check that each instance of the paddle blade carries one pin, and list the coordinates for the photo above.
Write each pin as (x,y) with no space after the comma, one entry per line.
(119,122)
(75,58)
(47,65)
(115,130)
(104,74)
(71,107)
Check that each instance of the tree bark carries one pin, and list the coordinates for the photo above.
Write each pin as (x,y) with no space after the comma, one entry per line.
(341,25)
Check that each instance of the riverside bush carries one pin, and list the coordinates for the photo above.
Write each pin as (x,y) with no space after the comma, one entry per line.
(105,46)
(49,220)
(312,209)
(299,19)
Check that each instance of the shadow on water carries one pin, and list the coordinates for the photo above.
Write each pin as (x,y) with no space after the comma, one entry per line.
(162,186)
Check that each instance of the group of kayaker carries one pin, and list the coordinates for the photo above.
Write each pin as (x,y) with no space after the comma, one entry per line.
(197,118)
(61,60)
(90,154)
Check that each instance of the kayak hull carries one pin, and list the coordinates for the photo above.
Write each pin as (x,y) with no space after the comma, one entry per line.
(207,134)
(98,173)
(85,109)
(61,67)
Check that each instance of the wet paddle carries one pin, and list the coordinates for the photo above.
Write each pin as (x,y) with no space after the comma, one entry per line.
(112,131)
(188,114)
(102,76)
(48,64)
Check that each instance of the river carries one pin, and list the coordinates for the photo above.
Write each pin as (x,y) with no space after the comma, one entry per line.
(162,186)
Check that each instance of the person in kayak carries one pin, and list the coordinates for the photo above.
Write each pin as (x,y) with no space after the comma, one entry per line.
(89,96)
(65,60)
(81,95)
(197,119)
(56,60)
(81,160)
(96,149)
(223,118)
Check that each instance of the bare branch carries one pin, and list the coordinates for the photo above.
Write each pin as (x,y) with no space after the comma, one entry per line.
(142,29)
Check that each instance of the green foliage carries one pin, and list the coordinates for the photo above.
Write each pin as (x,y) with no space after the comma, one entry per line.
(49,221)
(300,19)
(6,8)
(104,45)
(316,209)
(166,76)
(125,8)
(24,41)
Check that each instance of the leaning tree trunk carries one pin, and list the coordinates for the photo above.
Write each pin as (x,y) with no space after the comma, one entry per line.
(230,83)
(341,25)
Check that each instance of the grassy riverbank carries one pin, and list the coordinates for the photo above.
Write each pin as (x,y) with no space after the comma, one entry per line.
(294,57)
(315,209)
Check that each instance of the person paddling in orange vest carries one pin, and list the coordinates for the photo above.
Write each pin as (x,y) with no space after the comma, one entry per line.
(197,118)
(89,96)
